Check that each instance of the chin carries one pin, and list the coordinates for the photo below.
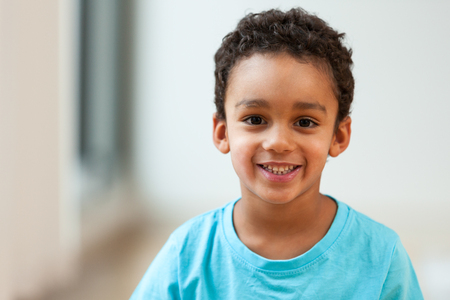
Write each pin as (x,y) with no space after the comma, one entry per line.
(278,202)
(278,198)
(274,195)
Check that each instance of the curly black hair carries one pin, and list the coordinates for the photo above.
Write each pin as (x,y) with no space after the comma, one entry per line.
(304,36)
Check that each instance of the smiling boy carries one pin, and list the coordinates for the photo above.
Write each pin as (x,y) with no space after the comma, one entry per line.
(280,129)
(283,93)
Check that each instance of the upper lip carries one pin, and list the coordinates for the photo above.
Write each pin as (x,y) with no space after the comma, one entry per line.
(273,163)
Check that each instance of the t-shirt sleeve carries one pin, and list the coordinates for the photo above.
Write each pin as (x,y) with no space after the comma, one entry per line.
(161,279)
(401,281)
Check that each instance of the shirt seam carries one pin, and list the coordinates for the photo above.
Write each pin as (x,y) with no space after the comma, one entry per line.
(178,269)
(388,268)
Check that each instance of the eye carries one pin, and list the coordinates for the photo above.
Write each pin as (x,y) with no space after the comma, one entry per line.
(254,120)
(306,123)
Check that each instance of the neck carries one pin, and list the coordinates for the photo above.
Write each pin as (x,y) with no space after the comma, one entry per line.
(283,231)
(300,215)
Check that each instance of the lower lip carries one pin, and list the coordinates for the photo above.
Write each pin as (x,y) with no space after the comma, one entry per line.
(280,178)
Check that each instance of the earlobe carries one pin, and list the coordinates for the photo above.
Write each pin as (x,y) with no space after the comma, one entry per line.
(220,134)
(341,138)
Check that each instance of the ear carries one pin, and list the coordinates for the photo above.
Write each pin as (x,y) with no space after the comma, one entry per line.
(341,137)
(220,135)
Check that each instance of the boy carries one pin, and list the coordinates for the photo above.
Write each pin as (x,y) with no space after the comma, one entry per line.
(283,93)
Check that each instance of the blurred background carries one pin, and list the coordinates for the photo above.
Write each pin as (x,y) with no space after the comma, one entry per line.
(105,134)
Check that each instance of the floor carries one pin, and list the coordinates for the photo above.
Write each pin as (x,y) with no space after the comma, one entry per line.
(114,270)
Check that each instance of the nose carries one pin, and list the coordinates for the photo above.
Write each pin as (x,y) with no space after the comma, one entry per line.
(279,139)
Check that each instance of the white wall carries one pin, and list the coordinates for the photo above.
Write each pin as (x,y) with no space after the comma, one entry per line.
(399,147)
(397,167)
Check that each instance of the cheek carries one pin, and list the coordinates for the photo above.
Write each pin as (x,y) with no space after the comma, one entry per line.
(242,154)
(317,152)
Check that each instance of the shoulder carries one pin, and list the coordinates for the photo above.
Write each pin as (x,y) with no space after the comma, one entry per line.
(373,246)
(361,224)
(367,239)
(182,254)
(199,229)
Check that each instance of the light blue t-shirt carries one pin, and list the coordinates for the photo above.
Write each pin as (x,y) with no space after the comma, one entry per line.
(357,259)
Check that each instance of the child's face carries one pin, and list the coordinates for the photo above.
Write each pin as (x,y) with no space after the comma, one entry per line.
(280,114)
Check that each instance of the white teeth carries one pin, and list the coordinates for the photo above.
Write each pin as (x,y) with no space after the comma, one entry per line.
(282,170)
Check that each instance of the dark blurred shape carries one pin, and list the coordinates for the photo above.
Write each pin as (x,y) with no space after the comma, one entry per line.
(106,41)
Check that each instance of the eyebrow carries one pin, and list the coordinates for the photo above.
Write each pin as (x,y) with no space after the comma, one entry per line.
(253,103)
(309,105)
(265,104)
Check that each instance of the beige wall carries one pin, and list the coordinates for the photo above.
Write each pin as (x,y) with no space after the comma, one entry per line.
(38,231)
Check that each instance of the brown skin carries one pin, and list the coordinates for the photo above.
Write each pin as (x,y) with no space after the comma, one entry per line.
(295,110)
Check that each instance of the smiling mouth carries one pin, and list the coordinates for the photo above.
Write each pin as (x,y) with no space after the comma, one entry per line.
(279,170)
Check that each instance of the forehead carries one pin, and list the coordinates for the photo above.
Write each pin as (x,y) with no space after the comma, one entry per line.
(280,79)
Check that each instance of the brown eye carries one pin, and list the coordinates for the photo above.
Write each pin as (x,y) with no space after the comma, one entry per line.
(255,120)
(306,123)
